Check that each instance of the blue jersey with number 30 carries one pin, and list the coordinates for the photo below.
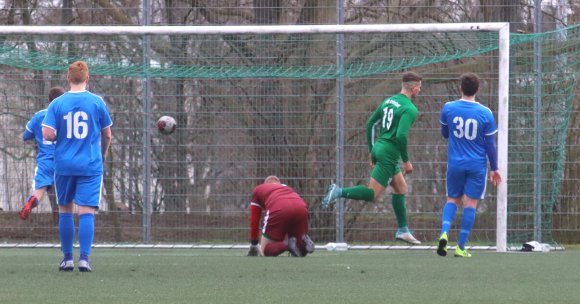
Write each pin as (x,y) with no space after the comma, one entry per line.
(78,118)
(468,122)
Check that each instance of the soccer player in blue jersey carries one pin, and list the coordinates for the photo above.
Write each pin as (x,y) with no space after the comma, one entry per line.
(44,173)
(80,124)
(470,129)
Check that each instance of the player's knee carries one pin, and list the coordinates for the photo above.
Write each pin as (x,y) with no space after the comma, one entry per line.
(401,190)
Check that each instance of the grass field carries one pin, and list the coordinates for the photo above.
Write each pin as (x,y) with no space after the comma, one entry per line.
(227,276)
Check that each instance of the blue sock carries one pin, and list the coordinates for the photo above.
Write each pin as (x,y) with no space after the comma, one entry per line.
(467,221)
(448,216)
(86,234)
(66,232)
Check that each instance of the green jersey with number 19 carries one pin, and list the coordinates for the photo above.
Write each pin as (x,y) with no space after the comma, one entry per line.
(392,121)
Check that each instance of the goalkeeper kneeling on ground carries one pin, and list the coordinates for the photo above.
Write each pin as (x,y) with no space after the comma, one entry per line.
(285,226)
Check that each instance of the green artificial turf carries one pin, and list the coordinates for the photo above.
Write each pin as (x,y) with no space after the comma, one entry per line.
(228,276)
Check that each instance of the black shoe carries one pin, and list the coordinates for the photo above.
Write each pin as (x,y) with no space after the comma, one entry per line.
(308,243)
(442,246)
(293,248)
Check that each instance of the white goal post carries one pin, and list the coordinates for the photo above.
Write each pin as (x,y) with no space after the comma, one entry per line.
(503,78)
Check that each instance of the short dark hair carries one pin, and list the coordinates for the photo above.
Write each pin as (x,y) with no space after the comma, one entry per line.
(411,77)
(54,93)
(469,84)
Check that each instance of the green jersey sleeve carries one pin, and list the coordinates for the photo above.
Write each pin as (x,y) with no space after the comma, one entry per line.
(405,123)
(373,120)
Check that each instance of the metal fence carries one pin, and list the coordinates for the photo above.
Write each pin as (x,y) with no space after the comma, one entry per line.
(233,131)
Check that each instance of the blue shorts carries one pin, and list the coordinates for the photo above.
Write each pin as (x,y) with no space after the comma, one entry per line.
(44,174)
(466,180)
(84,190)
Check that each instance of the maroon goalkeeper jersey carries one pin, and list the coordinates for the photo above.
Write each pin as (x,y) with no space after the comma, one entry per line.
(286,213)
(275,196)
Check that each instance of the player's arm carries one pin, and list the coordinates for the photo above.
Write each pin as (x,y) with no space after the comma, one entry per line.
(48,133)
(106,137)
(491,151)
(49,124)
(444,131)
(405,123)
(443,122)
(255,217)
(27,135)
(373,120)
(490,130)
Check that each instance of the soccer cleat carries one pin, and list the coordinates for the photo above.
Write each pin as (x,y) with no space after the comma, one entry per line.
(66,265)
(293,248)
(461,253)
(442,247)
(308,243)
(31,202)
(406,236)
(332,193)
(84,266)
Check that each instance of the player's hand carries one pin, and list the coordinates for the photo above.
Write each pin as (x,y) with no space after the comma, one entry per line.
(495,177)
(407,167)
(253,250)
(371,162)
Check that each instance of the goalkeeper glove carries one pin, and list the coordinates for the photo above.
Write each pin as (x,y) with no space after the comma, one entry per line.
(253,249)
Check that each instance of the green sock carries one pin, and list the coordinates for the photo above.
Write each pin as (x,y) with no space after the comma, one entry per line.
(400,209)
(359,193)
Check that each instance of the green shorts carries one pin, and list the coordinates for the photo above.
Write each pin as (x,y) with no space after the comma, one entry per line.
(386,158)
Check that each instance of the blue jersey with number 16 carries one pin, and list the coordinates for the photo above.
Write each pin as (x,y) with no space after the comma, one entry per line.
(469,123)
(78,118)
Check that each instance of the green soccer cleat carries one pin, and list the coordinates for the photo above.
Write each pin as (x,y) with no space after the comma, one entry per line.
(442,246)
(461,253)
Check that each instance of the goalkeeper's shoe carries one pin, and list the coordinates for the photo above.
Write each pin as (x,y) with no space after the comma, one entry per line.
(31,202)
(403,234)
(462,253)
(293,247)
(84,266)
(308,243)
(66,265)
(442,246)
(333,192)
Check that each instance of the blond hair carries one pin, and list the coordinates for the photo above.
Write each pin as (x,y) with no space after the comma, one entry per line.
(272,179)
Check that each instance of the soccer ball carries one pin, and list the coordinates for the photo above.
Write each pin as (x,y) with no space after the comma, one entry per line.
(166,124)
